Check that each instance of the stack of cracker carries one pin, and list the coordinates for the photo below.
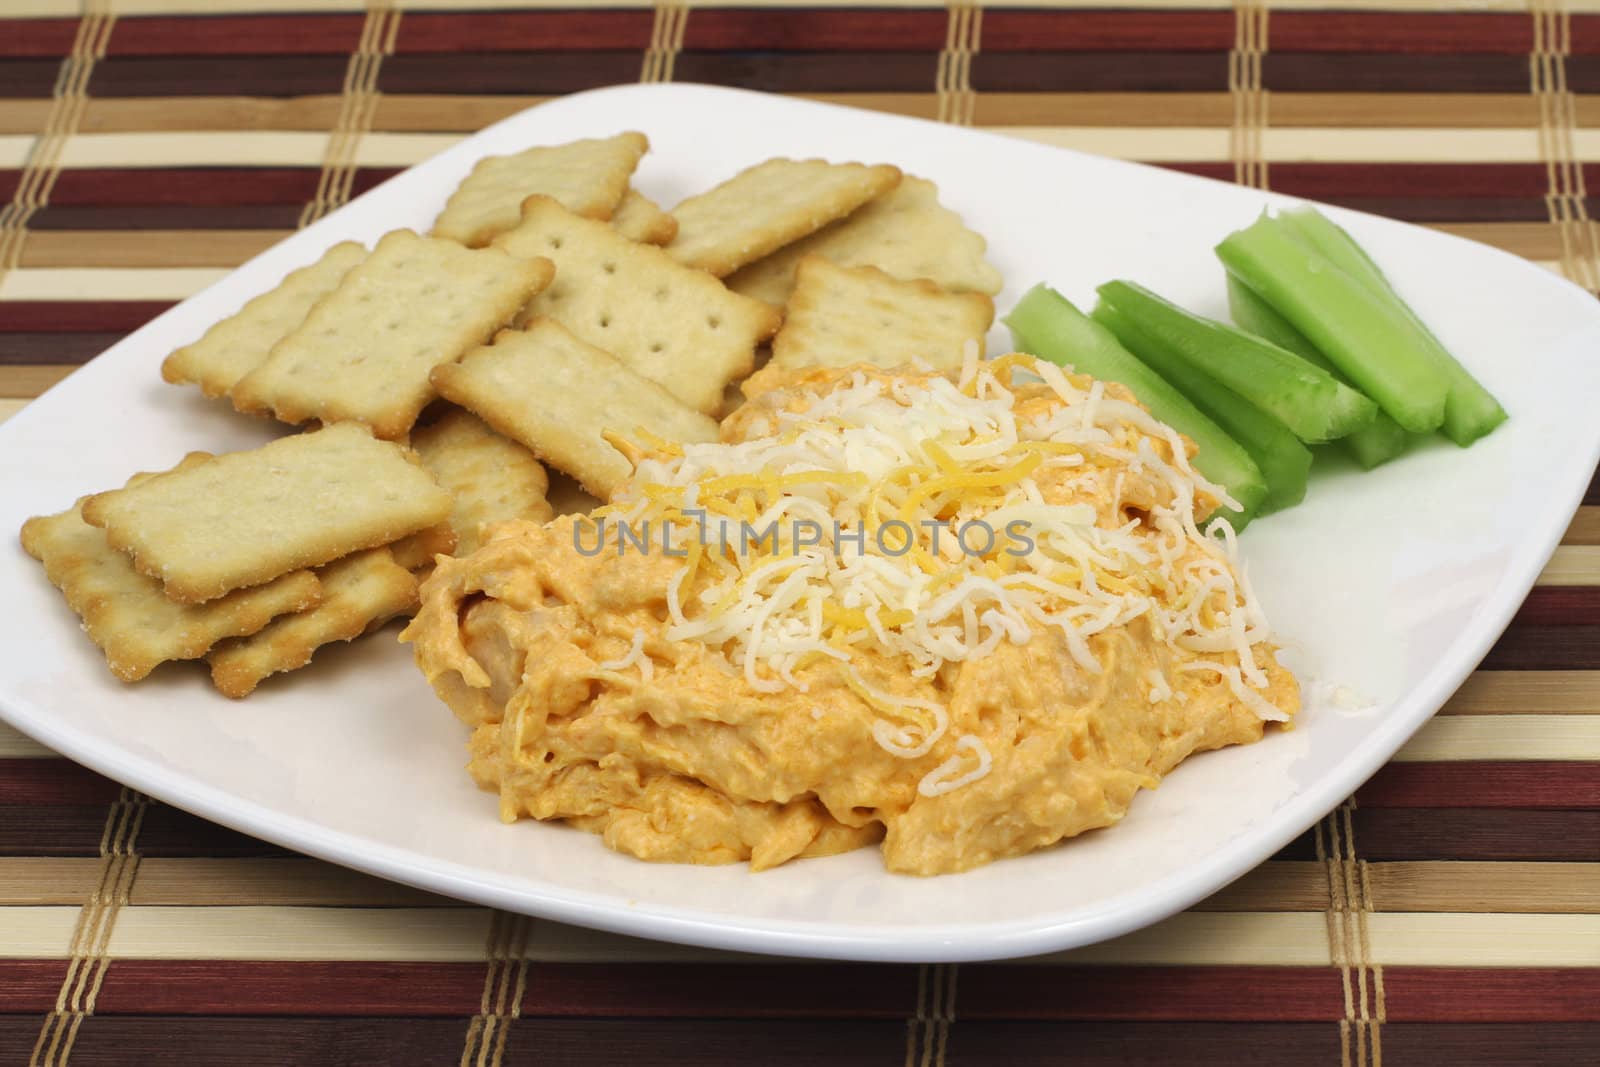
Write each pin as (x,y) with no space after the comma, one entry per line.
(554,314)
(252,559)
(644,343)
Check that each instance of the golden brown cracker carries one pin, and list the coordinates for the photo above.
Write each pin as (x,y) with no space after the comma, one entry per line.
(759,210)
(587,177)
(128,615)
(364,353)
(246,517)
(358,592)
(239,343)
(905,232)
(559,396)
(676,326)
(417,550)
(638,218)
(843,315)
(491,477)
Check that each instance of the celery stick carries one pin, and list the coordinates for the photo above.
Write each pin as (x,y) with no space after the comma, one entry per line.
(1305,398)
(1470,410)
(1380,349)
(1370,446)
(1283,460)
(1046,324)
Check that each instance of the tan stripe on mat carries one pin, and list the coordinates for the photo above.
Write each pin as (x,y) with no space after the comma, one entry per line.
(145,248)
(1572,565)
(1585,528)
(229,248)
(1504,737)
(1421,885)
(419,113)
(1277,885)
(1165,143)
(1527,693)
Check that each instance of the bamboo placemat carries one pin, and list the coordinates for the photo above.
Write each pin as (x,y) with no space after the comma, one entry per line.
(1448,913)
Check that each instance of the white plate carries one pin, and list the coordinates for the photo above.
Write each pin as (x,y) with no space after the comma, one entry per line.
(1393,584)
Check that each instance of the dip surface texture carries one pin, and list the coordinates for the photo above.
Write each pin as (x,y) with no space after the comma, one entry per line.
(702,699)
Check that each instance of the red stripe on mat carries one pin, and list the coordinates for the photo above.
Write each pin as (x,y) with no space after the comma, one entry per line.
(30,985)
(1558,605)
(1489,784)
(274,987)
(103,316)
(53,349)
(1546,648)
(802,30)
(237,35)
(189,186)
(1440,180)
(256,75)
(1492,994)
(1440,833)
(53,781)
(1199,994)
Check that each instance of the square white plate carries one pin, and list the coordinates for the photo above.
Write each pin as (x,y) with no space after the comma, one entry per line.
(1392,584)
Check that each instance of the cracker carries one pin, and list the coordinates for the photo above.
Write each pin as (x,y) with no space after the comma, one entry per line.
(246,517)
(587,177)
(491,477)
(844,315)
(558,395)
(128,615)
(638,218)
(905,232)
(358,592)
(758,211)
(364,352)
(415,551)
(239,343)
(674,325)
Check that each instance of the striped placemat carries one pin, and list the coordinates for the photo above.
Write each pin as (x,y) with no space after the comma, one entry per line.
(1449,912)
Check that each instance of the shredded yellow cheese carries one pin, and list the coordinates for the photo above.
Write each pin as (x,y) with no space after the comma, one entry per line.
(925,521)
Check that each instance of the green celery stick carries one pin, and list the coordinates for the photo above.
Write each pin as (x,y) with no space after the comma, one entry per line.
(1046,324)
(1284,461)
(1376,346)
(1306,399)
(1370,446)
(1470,410)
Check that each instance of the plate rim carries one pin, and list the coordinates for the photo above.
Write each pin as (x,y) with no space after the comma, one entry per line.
(967,942)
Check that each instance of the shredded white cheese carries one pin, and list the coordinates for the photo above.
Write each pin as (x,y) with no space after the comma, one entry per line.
(635,658)
(913,518)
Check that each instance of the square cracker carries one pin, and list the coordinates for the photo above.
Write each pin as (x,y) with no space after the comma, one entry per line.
(239,343)
(491,477)
(844,315)
(638,218)
(358,592)
(674,325)
(905,232)
(244,518)
(559,396)
(587,177)
(364,352)
(128,615)
(759,210)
